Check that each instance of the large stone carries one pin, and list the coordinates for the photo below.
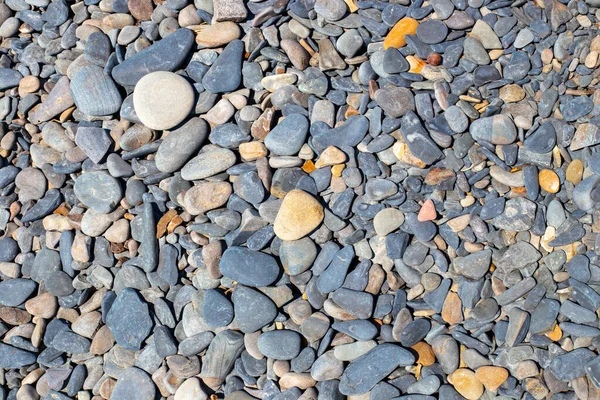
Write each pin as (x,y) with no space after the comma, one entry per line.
(299,214)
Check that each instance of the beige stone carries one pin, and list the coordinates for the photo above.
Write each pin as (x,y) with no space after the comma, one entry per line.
(299,214)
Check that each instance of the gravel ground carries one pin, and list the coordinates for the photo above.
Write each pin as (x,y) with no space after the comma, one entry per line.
(299,199)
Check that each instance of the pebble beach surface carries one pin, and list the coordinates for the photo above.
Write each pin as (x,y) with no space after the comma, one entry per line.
(299,199)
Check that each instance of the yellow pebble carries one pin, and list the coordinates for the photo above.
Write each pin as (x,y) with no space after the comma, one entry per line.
(575,171)
(549,181)
(406,26)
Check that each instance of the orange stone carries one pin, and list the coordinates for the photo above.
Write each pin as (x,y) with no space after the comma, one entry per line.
(337,169)
(465,383)
(416,64)
(556,333)
(308,166)
(406,26)
(491,377)
(452,309)
(427,212)
(575,171)
(549,181)
(426,354)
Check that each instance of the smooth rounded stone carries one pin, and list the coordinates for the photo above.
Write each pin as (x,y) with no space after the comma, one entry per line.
(334,275)
(9,78)
(456,118)
(542,140)
(486,35)
(297,256)
(162,99)
(426,385)
(9,249)
(498,129)
(474,266)
(577,108)
(387,220)
(14,292)
(475,52)
(466,383)
(288,136)
(547,102)
(432,31)
(518,66)
(357,329)
(327,367)
(94,142)
(95,93)
(59,284)
(164,55)
(362,374)
(13,357)
(331,10)
(395,101)
(217,310)
(512,179)
(253,310)
(133,383)
(414,332)
(571,365)
(229,136)
(217,34)
(280,344)
(179,145)
(225,74)
(349,43)
(88,186)
(380,189)
(208,163)
(247,267)
(394,62)
(518,215)
(446,352)
(31,183)
(299,214)
(524,37)
(351,351)
(129,320)
(485,74)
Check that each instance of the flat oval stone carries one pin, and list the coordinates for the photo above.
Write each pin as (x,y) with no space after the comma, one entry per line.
(12,357)
(95,93)
(225,74)
(162,100)
(133,383)
(414,332)
(577,108)
(14,292)
(129,320)
(179,145)
(253,310)
(369,369)
(569,366)
(208,163)
(250,268)
(474,266)
(9,78)
(279,344)
(297,256)
(542,140)
(357,329)
(432,31)
(164,55)
(217,310)
(498,129)
(288,136)
(90,185)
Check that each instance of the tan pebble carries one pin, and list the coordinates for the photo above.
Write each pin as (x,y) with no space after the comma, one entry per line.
(252,151)
(547,56)
(300,380)
(28,84)
(102,342)
(426,354)
(536,388)
(299,214)
(330,156)
(549,181)
(465,383)
(574,172)
(452,309)
(591,59)
(459,223)
(43,305)
(512,93)
(491,376)
(206,196)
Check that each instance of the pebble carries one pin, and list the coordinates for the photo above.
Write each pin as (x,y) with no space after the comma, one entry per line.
(299,200)
(155,102)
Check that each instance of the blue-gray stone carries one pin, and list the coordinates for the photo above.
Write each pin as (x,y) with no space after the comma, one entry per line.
(288,136)
(250,268)
(225,74)
(129,319)
(95,93)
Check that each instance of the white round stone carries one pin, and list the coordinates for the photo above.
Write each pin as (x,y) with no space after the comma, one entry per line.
(162,100)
